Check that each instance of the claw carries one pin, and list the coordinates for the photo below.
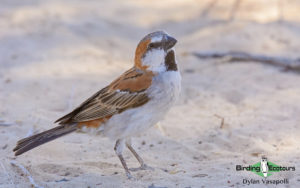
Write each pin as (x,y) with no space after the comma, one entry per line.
(143,167)
(129,176)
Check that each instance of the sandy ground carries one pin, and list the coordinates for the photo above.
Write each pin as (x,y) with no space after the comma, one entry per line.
(54,54)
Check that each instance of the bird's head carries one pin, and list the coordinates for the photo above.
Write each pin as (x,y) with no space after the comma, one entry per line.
(264,159)
(152,51)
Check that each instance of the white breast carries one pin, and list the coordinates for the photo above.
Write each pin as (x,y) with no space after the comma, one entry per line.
(165,89)
(163,93)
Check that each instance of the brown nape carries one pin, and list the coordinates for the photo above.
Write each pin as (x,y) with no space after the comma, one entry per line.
(170,61)
(140,51)
(31,142)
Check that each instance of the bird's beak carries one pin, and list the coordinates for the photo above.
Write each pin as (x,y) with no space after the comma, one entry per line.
(170,42)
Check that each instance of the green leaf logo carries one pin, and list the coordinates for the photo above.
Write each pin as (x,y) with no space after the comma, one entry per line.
(271,169)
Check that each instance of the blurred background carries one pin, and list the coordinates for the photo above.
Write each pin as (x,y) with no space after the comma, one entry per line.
(54,54)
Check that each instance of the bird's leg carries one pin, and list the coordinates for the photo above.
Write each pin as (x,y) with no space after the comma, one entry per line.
(140,160)
(119,150)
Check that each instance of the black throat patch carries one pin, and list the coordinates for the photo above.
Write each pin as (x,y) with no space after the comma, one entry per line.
(170,61)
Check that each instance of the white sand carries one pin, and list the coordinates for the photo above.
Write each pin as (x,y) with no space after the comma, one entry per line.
(55,54)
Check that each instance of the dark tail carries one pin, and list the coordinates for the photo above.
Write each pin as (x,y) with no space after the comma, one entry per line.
(31,142)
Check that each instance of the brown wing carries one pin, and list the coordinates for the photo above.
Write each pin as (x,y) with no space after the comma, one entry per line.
(128,91)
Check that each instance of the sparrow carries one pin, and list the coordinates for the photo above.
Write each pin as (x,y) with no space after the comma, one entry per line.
(129,105)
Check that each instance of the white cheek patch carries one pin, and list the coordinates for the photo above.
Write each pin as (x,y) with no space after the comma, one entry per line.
(155,60)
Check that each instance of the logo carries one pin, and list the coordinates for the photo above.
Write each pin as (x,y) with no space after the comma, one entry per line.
(265,168)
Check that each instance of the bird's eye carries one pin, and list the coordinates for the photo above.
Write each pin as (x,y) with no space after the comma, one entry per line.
(151,45)
(154,45)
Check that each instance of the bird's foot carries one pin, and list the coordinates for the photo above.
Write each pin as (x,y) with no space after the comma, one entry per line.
(130,177)
(142,167)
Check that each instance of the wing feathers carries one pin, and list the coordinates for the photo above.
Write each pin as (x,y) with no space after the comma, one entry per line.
(128,91)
